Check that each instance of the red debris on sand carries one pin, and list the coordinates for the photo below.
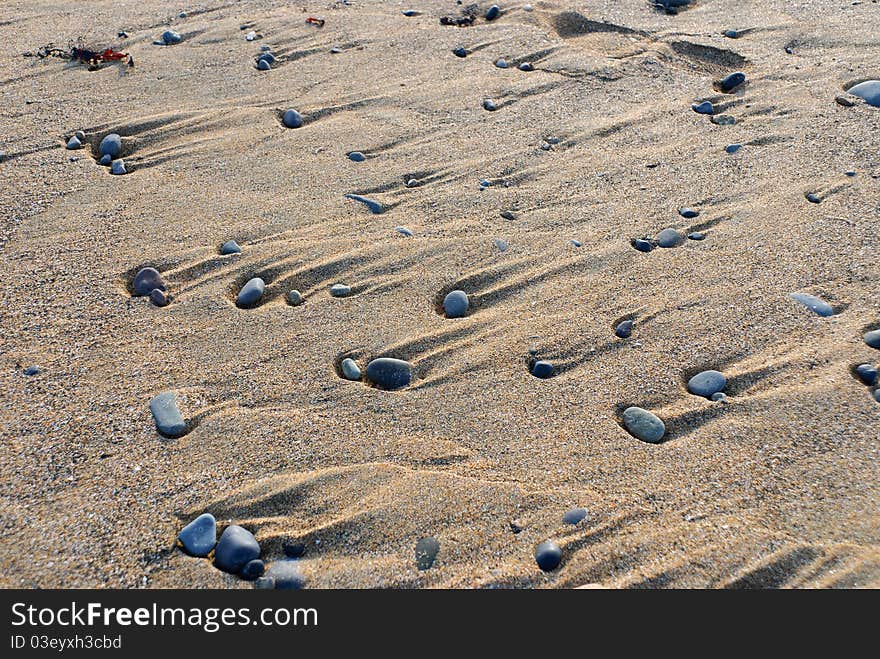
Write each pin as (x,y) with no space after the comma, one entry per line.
(315,21)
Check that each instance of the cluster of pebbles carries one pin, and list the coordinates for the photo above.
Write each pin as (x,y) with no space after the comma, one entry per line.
(109,150)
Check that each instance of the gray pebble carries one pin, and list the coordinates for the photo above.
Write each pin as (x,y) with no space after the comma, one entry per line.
(548,555)
(543,369)
(264,583)
(731,34)
(526,66)
(574,516)
(375,207)
(733,148)
(389,373)
(705,107)
(237,547)
(111,145)
(501,63)
(356,156)
(500,244)
(292,119)
(867,373)
(252,570)
(159,297)
(489,105)
(404,231)
(643,425)
(286,575)
(873,338)
(80,135)
(576,243)
(723,120)
(230,247)
(642,245)
(412,183)
(732,81)
(340,290)
(868,91)
(295,297)
(170,37)
(493,12)
(251,293)
(74,143)
(707,383)
(350,369)
(669,238)
(146,280)
(624,329)
(31,370)
(263,65)
(267,56)
(105,160)
(689,213)
(813,303)
(199,536)
(426,552)
(696,235)
(166,414)
(117,167)
(813,198)
(456,304)
(508,215)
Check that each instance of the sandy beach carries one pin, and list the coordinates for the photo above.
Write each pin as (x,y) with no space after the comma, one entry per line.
(534,209)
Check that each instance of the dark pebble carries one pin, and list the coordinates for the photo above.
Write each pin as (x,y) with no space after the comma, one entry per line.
(689,213)
(642,245)
(356,156)
(388,373)
(703,108)
(733,148)
(170,37)
(873,339)
(493,12)
(293,549)
(31,370)
(812,197)
(105,160)
(292,119)
(722,120)
(159,297)
(731,82)
(263,65)
(624,329)
(237,547)
(526,66)
(199,536)
(543,369)
(696,235)
(146,280)
(426,551)
(574,516)
(268,57)
(707,383)
(548,555)
(111,145)
(489,105)
(501,63)
(867,373)
(411,12)
(230,247)
(252,570)
(251,293)
(460,52)
(508,215)
(375,207)
(731,34)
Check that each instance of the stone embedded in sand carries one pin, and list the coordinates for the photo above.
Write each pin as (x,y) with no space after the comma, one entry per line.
(696,235)
(526,66)
(105,160)
(117,167)
(867,373)
(237,547)
(350,369)
(295,297)
(456,304)
(873,338)
(146,280)
(268,57)
(493,12)
(732,148)
(170,37)
(643,424)
(251,292)
(263,65)
(250,36)
(375,207)
(868,91)
(230,247)
(624,329)
(356,156)
(722,120)
(543,369)
(426,551)
(292,119)
(705,107)
(252,570)
(489,105)
(642,245)
(340,290)
(111,145)
(199,536)
(159,297)
(74,143)
(548,555)
(574,516)
(286,575)
(689,213)
(669,238)
(813,198)
(166,414)
(460,52)
(730,82)
(731,34)
(389,373)
(501,63)
(707,383)
(813,303)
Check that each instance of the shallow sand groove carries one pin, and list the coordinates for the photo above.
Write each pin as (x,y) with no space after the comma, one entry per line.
(778,487)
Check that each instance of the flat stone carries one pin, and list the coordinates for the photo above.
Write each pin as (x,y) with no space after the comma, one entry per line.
(411,12)
(707,383)
(574,516)
(389,373)
(460,52)
(543,369)
(731,34)
(813,198)
(624,329)
(230,247)
(730,82)
(873,338)
(159,297)
(74,143)
(705,107)
(146,280)
(375,207)
(642,245)
(286,575)
(548,555)
(170,37)
(356,156)
(868,91)
(350,369)
(732,148)
(166,414)
(643,425)
(669,238)
(340,290)
(426,551)
(251,293)
(696,235)
(501,245)
(722,120)
(111,145)
(508,215)
(867,373)
(689,213)
(31,370)
(237,547)
(252,570)
(295,297)
(456,304)
(199,536)
(117,168)
(813,303)
(292,119)
(493,12)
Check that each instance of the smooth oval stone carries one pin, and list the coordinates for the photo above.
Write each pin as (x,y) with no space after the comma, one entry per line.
(350,369)
(456,304)
(689,213)
(74,143)
(251,292)
(105,160)
(574,516)
(501,63)
(812,197)
(252,570)
(526,66)
(493,12)
(733,148)
(576,243)
(389,373)
(111,145)
(117,167)
(624,329)
(146,280)
(375,207)
(642,245)
(643,424)
(412,183)
(696,235)
(411,12)
(263,65)
(199,536)
(268,57)
(237,547)
(508,215)
(707,383)
(460,52)
(171,37)
(32,370)
(548,555)
(292,119)
(159,297)
(404,231)
(295,297)
(669,238)
(868,91)
(230,247)
(340,290)
(286,575)
(166,414)
(813,303)
(731,34)
(705,107)
(873,338)
(723,120)
(543,369)
(730,82)
(867,373)
(489,105)
(426,551)
(356,156)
